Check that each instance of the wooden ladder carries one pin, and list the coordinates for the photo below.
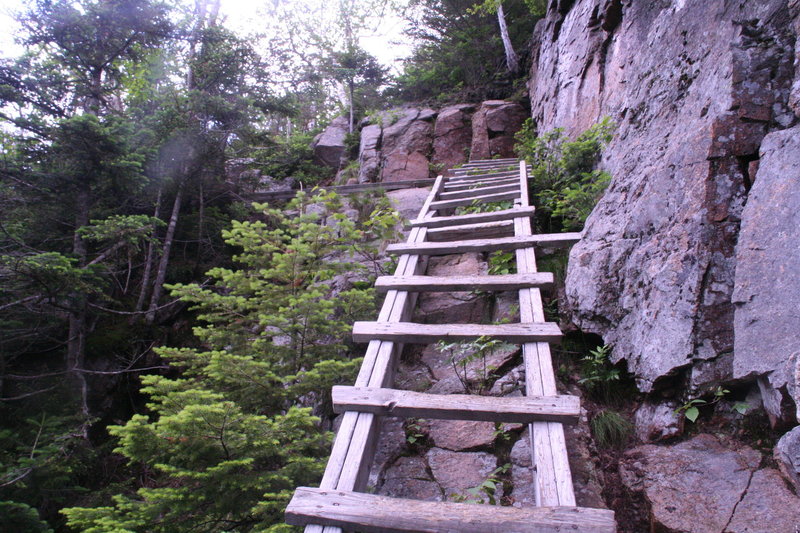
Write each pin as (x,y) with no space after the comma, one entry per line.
(340,503)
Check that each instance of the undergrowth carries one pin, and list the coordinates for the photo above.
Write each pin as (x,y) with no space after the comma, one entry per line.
(565,185)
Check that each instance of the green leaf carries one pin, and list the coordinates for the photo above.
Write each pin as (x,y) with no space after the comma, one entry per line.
(692,413)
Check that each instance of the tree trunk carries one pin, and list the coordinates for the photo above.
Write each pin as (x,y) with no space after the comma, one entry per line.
(352,92)
(512,59)
(148,263)
(76,336)
(201,212)
(161,273)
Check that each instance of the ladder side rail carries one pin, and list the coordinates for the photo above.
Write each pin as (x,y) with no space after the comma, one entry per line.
(353,446)
(552,475)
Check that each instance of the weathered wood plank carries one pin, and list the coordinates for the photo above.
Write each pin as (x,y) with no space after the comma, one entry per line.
(473,218)
(402,403)
(552,477)
(499,165)
(545,240)
(505,282)
(491,160)
(480,183)
(481,175)
(487,230)
(411,332)
(487,163)
(353,448)
(478,190)
(477,198)
(371,513)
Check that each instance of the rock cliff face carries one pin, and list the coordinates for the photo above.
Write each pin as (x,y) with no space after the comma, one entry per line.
(493,128)
(410,144)
(695,87)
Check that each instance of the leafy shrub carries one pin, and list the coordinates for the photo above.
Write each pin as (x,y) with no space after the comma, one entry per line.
(484,207)
(501,262)
(691,409)
(486,492)
(597,370)
(565,185)
(474,378)
(291,157)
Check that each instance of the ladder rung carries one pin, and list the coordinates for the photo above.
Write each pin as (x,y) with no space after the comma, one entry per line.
(491,160)
(491,216)
(489,163)
(544,240)
(414,333)
(508,165)
(450,195)
(409,404)
(490,174)
(497,197)
(505,282)
(464,186)
(488,230)
(368,512)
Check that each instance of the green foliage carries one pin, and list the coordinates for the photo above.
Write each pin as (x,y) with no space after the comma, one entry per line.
(691,408)
(128,228)
(415,433)
(501,262)
(361,74)
(610,429)
(486,491)
(537,8)
(468,360)
(565,185)
(380,223)
(597,369)
(483,207)
(99,152)
(20,517)
(226,443)
(458,54)
(291,157)
(602,380)
(384,119)
(349,172)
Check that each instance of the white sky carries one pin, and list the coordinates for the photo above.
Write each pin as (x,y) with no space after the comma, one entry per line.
(387,44)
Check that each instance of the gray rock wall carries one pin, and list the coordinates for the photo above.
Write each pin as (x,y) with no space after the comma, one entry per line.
(410,144)
(767,282)
(329,146)
(694,86)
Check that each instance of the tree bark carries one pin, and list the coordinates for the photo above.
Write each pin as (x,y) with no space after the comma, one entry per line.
(512,59)
(148,264)
(76,336)
(352,92)
(161,273)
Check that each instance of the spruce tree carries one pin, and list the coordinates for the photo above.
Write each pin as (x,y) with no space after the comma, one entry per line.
(227,441)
